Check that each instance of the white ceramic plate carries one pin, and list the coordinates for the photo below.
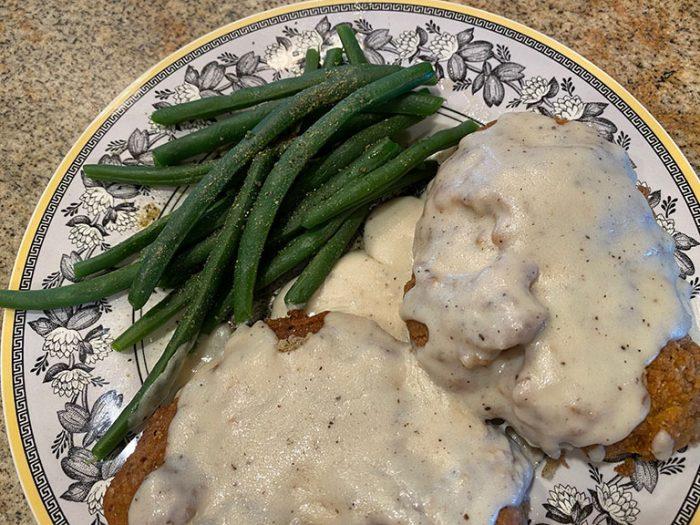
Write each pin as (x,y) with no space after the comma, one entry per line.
(62,386)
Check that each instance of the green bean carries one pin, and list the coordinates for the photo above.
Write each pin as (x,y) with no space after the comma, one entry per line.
(387,174)
(320,266)
(333,58)
(181,267)
(356,124)
(199,304)
(131,245)
(368,161)
(424,171)
(353,148)
(298,250)
(350,44)
(156,317)
(148,175)
(243,98)
(214,136)
(100,286)
(419,104)
(292,162)
(311,61)
(72,294)
(158,254)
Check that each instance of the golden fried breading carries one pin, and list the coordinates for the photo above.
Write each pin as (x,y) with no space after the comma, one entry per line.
(148,456)
(297,324)
(673,383)
(417,331)
(512,516)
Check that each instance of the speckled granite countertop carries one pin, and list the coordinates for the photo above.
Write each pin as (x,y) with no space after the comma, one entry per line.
(61,63)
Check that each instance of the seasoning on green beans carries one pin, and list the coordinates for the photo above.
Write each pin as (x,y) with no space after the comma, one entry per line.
(243,98)
(157,256)
(384,176)
(213,136)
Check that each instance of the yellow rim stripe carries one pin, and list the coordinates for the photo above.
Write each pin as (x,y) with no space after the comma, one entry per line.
(30,490)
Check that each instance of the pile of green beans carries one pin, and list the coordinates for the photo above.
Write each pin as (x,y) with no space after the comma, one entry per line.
(158,254)
(318,151)
(292,162)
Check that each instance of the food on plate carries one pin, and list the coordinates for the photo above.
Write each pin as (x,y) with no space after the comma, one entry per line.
(273,153)
(317,420)
(544,283)
(369,281)
(529,284)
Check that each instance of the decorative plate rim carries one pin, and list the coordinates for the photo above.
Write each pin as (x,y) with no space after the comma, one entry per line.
(9,413)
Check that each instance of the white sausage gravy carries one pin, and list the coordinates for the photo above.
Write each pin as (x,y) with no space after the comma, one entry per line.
(345,428)
(546,287)
(544,281)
